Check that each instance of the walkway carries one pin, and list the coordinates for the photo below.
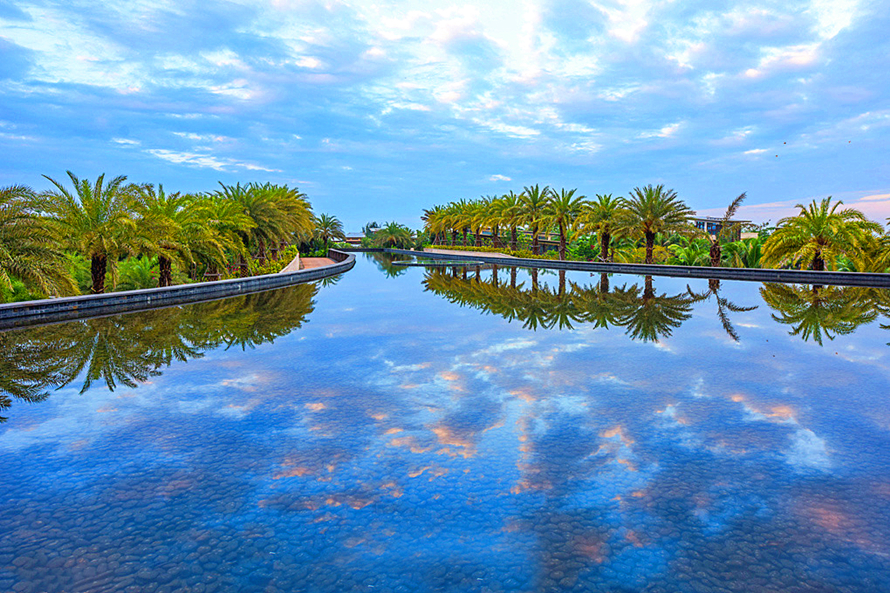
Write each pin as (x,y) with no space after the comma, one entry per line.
(315,262)
(470,253)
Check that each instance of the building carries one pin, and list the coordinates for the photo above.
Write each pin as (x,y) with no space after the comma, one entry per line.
(713,226)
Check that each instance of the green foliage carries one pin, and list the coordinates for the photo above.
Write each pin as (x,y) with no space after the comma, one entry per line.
(136,273)
(583,249)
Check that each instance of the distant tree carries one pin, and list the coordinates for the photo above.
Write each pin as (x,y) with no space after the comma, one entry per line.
(328,227)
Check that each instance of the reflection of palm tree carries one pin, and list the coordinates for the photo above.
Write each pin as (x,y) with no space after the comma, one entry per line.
(385,261)
(648,316)
(129,349)
(723,305)
(814,311)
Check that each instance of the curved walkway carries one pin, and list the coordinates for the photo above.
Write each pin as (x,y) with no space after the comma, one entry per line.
(95,305)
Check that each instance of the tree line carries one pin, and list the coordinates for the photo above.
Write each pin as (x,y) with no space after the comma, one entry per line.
(236,229)
(653,225)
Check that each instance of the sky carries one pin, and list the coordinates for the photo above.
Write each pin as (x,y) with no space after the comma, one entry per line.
(377,110)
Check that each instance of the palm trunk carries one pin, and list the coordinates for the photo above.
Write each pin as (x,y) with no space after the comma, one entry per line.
(478,237)
(604,246)
(716,254)
(453,238)
(494,276)
(818,264)
(648,290)
(165,272)
(650,243)
(562,243)
(465,237)
(243,271)
(98,267)
(535,240)
(478,274)
(261,255)
(273,252)
(496,241)
(534,272)
(513,278)
(604,282)
(562,283)
(463,273)
(513,238)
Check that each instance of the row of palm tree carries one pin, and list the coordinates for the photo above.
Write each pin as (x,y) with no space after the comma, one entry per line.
(821,236)
(648,211)
(107,220)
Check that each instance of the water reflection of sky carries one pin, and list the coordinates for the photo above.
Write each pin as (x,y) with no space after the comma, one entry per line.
(397,441)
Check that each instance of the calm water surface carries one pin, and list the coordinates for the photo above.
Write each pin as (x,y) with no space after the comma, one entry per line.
(405,429)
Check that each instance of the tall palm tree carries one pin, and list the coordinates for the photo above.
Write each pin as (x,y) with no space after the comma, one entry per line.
(653,209)
(602,216)
(563,211)
(726,232)
(434,222)
(169,226)
(509,210)
(269,222)
(328,227)
(96,221)
(228,224)
(818,234)
(28,249)
(534,200)
(298,222)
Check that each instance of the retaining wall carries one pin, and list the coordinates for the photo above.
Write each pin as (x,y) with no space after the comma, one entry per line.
(94,305)
(746,274)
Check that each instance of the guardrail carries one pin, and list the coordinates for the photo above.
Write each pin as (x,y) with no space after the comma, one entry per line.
(869,279)
(63,309)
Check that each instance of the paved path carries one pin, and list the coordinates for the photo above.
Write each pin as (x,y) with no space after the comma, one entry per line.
(471,253)
(316,262)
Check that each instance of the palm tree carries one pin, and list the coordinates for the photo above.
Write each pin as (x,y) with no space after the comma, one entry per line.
(727,230)
(818,234)
(28,249)
(328,227)
(602,216)
(268,221)
(653,209)
(228,224)
(169,226)
(534,201)
(96,221)
(563,210)
(648,316)
(435,223)
(509,210)
(393,234)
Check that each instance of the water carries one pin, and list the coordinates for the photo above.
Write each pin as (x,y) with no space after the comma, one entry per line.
(405,429)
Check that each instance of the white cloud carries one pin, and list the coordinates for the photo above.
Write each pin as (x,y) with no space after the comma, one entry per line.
(205,161)
(499,178)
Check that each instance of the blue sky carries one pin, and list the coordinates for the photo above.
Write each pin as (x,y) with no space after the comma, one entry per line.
(377,110)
